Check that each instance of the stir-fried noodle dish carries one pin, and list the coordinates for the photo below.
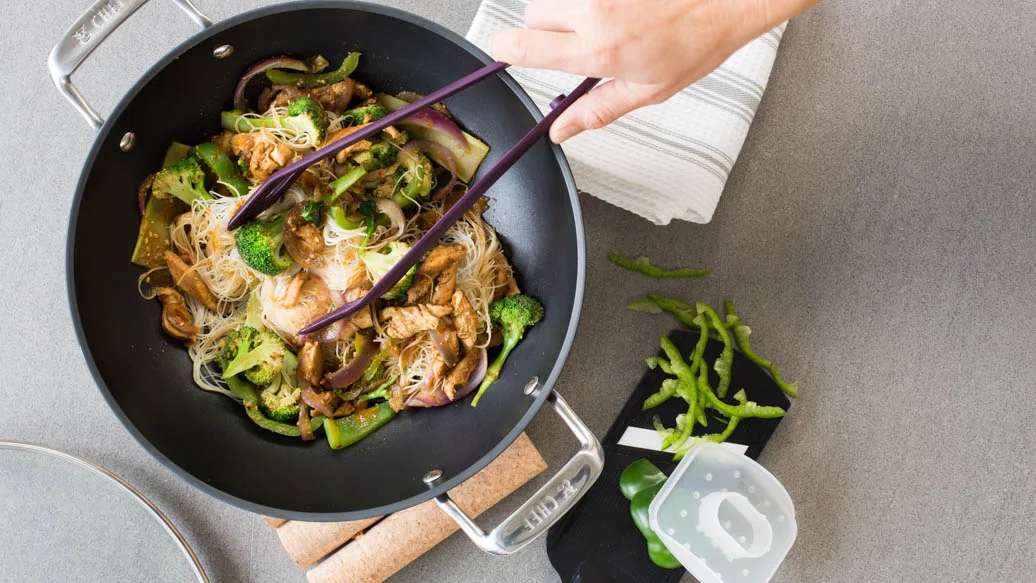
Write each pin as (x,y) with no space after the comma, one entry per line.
(237,299)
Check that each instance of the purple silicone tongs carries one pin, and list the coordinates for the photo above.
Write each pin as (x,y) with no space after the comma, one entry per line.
(274,187)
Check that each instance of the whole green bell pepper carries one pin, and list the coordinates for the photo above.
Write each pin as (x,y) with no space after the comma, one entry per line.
(640,482)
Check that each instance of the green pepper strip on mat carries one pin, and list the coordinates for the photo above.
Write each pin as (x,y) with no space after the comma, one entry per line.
(688,384)
(250,399)
(710,438)
(725,362)
(703,387)
(345,431)
(669,388)
(279,77)
(741,334)
(640,482)
(643,266)
(654,362)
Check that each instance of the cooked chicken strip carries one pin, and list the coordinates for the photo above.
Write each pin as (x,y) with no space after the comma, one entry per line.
(311,364)
(264,155)
(445,283)
(405,322)
(176,319)
(464,320)
(437,260)
(190,282)
(460,373)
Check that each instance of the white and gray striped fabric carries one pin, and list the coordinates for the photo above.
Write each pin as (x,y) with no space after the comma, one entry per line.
(662,162)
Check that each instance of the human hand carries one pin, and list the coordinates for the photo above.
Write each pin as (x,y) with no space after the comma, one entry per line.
(650,48)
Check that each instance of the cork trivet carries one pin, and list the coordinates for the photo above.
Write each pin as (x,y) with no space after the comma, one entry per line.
(308,542)
(412,532)
(274,522)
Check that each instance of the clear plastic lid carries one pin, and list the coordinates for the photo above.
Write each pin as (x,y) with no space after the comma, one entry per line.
(724,517)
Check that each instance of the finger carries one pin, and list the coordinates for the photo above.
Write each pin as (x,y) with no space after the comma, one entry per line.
(536,48)
(555,15)
(601,106)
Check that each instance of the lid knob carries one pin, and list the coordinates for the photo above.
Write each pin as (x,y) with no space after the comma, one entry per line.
(708,517)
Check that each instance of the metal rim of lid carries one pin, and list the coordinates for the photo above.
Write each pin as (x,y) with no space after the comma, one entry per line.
(169,527)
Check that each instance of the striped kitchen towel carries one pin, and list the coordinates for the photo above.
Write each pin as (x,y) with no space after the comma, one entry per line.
(662,162)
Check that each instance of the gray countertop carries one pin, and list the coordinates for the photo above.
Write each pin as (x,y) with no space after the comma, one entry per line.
(876,233)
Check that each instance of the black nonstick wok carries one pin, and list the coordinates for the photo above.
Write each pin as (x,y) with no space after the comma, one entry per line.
(206,438)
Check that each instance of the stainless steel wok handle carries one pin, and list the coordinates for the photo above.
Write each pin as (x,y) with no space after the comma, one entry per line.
(548,504)
(88,32)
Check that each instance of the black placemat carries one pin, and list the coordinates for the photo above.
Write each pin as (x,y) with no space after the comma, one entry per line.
(597,542)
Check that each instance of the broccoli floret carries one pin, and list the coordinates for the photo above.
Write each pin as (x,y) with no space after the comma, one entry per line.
(280,401)
(366,113)
(513,314)
(305,118)
(184,180)
(261,245)
(380,155)
(379,262)
(415,173)
(258,356)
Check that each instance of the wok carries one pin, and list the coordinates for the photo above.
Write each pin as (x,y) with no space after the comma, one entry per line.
(205,438)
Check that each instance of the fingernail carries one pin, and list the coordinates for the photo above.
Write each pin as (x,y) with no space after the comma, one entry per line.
(559,134)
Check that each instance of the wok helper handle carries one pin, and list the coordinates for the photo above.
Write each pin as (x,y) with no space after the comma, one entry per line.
(548,504)
(86,34)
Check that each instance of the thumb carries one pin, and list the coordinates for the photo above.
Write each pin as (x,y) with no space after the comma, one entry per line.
(601,106)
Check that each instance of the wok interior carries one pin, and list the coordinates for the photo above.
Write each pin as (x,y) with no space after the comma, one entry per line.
(148,375)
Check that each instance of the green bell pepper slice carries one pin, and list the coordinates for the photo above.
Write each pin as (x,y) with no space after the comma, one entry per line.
(280,77)
(643,266)
(640,482)
(725,362)
(741,334)
(639,475)
(226,171)
(250,399)
(345,431)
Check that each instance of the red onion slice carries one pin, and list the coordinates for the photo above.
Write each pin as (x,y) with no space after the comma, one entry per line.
(354,369)
(390,209)
(432,120)
(311,398)
(438,152)
(261,67)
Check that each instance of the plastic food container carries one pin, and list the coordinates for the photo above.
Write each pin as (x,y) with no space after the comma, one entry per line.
(724,517)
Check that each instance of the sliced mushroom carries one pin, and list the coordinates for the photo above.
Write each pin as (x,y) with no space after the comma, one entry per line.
(176,319)
(302,239)
(190,282)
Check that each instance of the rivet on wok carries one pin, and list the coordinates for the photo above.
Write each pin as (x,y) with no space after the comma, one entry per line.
(432,477)
(129,139)
(532,385)
(223,51)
